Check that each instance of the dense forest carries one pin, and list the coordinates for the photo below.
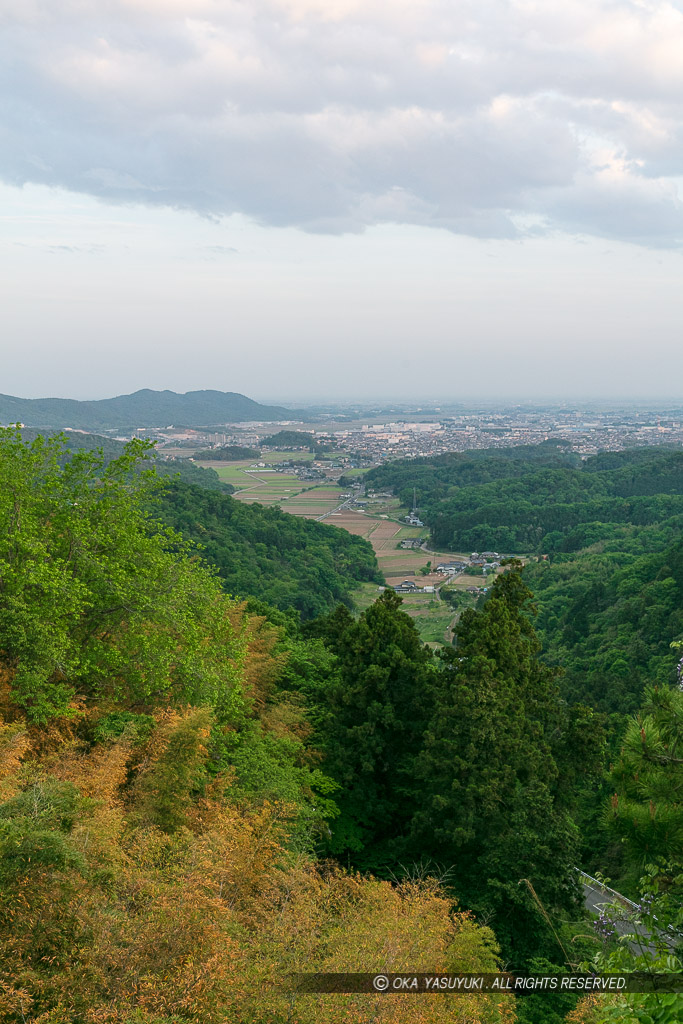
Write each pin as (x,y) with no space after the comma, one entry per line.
(606,531)
(264,553)
(202,796)
(540,499)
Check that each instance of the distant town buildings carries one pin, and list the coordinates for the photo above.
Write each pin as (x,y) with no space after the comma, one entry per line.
(365,444)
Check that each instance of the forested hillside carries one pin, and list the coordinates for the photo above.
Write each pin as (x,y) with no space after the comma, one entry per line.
(181,469)
(609,583)
(259,552)
(262,552)
(607,615)
(201,796)
(539,499)
(160,802)
(145,408)
(439,476)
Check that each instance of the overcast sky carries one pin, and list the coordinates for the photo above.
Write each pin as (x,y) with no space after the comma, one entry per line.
(311,199)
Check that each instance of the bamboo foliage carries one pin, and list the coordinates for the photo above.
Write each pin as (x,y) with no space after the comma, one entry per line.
(134,915)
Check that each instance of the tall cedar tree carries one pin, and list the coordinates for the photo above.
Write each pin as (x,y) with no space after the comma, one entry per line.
(489,779)
(380,706)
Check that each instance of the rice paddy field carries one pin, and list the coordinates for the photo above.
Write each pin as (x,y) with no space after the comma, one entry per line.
(378,522)
(385,535)
(433,618)
(270,486)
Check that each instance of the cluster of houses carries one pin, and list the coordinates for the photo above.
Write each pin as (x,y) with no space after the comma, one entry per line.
(451,568)
(484,557)
(488,561)
(408,587)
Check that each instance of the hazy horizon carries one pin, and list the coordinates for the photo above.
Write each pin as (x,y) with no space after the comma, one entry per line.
(427,402)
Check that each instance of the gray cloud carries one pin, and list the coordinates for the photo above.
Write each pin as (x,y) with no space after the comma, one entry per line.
(491,118)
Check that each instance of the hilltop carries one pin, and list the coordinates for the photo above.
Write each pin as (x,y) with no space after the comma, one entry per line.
(145,408)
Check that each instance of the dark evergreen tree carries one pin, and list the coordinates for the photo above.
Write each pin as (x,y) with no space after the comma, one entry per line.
(380,704)
(492,806)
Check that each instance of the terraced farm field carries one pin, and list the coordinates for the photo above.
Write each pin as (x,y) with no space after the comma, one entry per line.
(269,486)
(433,617)
(314,501)
(385,535)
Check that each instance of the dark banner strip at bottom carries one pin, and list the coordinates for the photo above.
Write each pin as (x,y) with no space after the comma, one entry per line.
(424,984)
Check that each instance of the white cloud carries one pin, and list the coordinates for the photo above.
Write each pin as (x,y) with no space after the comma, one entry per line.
(473,115)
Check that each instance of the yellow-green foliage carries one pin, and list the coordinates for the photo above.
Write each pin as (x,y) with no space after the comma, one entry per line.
(135,891)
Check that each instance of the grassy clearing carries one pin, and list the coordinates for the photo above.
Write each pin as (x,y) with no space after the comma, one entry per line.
(385,507)
(413,533)
(365,595)
(434,629)
(461,582)
(431,616)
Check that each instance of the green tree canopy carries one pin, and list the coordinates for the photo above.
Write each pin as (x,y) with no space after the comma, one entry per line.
(646,809)
(491,806)
(96,599)
(378,707)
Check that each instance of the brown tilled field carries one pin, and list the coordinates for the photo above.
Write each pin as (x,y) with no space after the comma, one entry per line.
(384,535)
(353,522)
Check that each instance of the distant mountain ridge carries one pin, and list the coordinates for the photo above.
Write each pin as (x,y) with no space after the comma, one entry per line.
(145,408)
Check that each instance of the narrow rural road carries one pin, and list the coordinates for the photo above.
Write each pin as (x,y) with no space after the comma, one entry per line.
(596,896)
(344,504)
(347,503)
